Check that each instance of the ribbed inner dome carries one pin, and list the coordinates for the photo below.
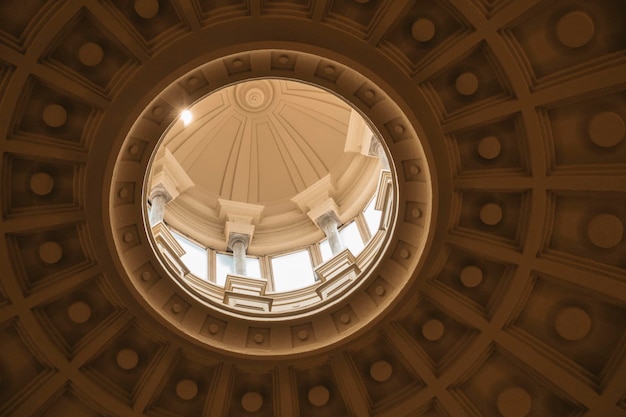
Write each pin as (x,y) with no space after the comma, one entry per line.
(281,171)
(265,153)
(261,141)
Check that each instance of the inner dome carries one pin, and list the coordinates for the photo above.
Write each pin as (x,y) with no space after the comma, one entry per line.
(284,172)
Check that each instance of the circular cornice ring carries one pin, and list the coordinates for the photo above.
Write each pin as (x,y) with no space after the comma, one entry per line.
(204,317)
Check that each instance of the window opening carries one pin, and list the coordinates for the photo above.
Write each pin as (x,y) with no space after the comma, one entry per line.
(292,271)
(351,237)
(195,257)
(224,265)
(325,249)
(372,216)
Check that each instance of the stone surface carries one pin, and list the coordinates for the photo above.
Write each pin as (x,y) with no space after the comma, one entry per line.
(41,183)
(514,402)
(572,323)
(147,8)
(467,84)
(252,401)
(433,330)
(50,252)
(54,115)
(127,359)
(605,231)
(79,312)
(90,54)
(607,129)
(186,389)
(471,276)
(423,30)
(575,29)
(491,214)
(319,395)
(381,371)
(489,147)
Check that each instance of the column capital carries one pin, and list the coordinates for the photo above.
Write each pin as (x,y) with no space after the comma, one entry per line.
(329,217)
(159,197)
(315,195)
(160,190)
(168,173)
(323,208)
(233,238)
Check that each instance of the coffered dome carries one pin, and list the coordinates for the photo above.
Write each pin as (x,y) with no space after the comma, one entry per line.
(500,292)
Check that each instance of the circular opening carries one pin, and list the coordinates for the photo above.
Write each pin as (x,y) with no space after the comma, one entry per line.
(313,193)
(272,190)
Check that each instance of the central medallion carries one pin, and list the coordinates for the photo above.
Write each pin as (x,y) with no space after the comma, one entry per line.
(254,96)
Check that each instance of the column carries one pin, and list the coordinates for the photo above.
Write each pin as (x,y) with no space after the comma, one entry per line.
(159,197)
(238,243)
(329,223)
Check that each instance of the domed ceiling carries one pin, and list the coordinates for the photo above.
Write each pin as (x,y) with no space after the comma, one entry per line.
(269,144)
(261,141)
(516,306)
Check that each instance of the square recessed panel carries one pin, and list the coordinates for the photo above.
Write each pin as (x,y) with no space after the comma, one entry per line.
(50,254)
(475,80)
(439,335)
(41,185)
(560,36)
(90,53)
(52,117)
(152,21)
(503,386)
(587,134)
(21,369)
(252,393)
(318,393)
(383,374)
(126,361)
(588,227)
(186,388)
(20,17)
(78,315)
(476,278)
(424,31)
(497,216)
(576,324)
(496,148)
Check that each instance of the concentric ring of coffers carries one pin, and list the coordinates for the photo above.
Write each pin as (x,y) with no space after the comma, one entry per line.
(242,315)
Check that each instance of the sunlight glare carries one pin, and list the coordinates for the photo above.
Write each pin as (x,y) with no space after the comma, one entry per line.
(186,117)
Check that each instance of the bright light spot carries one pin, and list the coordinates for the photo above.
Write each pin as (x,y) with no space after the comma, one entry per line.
(292,271)
(186,117)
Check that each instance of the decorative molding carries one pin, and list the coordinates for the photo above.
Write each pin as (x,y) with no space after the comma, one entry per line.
(247,293)
(315,195)
(168,174)
(208,298)
(170,248)
(359,135)
(336,274)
